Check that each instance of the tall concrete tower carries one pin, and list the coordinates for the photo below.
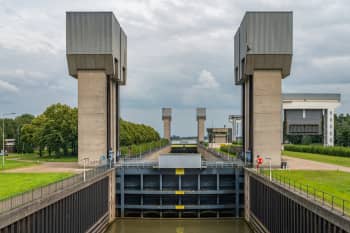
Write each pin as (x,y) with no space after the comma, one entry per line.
(201,117)
(97,58)
(263,55)
(166,117)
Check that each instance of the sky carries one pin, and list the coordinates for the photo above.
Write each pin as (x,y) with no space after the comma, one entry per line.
(180,55)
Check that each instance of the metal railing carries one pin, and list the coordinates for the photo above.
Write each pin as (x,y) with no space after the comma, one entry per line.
(219,154)
(325,199)
(45,191)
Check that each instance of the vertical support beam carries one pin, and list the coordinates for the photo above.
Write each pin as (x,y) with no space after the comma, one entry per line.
(117,118)
(179,196)
(217,189)
(161,196)
(122,194)
(111,195)
(237,207)
(247,196)
(141,187)
(92,114)
(199,196)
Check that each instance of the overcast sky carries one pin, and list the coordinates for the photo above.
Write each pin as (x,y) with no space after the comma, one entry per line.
(180,55)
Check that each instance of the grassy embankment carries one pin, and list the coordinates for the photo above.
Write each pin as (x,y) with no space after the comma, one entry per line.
(336,183)
(15,183)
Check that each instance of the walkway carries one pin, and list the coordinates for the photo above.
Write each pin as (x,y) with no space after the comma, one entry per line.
(303,164)
(48,167)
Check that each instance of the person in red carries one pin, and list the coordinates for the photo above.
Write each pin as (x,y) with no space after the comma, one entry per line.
(259,161)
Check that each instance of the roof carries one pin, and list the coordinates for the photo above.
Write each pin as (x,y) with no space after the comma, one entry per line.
(311,96)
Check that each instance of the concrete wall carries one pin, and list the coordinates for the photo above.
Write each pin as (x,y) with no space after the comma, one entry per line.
(92,115)
(267,115)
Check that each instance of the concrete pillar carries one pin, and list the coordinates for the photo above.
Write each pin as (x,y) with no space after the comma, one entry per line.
(92,115)
(328,122)
(267,107)
(111,199)
(166,117)
(201,117)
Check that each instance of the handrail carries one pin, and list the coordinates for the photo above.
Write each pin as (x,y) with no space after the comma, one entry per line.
(325,199)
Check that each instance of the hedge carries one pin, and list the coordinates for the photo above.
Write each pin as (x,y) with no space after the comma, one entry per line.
(318,149)
(135,150)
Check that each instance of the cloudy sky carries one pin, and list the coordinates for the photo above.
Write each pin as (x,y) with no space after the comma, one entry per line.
(180,55)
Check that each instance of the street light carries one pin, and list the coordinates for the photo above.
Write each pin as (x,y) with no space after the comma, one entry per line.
(269,158)
(3,136)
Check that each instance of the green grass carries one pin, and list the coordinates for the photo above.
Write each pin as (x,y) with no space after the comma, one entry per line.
(16,183)
(36,157)
(337,160)
(226,153)
(336,183)
(12,164)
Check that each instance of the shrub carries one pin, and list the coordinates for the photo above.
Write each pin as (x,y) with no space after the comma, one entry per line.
(319,149)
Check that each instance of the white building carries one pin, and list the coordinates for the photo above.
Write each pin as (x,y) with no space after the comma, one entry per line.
(310,114)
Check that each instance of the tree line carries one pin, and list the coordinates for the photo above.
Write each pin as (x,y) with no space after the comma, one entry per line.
(55,131)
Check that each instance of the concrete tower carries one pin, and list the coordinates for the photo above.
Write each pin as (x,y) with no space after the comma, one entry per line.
(263,55)
(97,58)
(166,117)
(201,117)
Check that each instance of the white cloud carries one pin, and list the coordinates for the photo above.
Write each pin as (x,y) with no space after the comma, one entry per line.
(8,87)
(206,80)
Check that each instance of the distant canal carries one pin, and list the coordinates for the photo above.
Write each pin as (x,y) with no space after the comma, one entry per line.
(178,226)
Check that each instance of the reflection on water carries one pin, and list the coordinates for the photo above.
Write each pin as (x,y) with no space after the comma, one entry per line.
(178,226)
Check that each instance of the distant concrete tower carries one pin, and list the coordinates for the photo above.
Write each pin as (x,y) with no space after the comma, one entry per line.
(201,117)
(263,50)
(166,117)
(96,49)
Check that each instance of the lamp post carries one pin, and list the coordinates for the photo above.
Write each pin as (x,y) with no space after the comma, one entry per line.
(3,136)
(269,158)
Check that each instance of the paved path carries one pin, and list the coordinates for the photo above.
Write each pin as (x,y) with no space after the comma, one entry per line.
(303,164)
(49,167)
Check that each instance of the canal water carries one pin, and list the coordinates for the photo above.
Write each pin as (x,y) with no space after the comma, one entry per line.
(178,226)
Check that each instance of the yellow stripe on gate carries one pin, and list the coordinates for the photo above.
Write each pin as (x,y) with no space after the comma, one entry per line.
(180,171)
(180,207)
(179,192)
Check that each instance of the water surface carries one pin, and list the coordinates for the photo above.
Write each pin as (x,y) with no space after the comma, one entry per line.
(178,226)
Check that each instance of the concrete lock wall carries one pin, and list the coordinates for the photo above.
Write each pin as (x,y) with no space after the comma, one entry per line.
(92,115)
(267,115)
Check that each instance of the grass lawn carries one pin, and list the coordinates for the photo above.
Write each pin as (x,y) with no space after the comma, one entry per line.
(11,164)
(338,160)
(45,158)
(15,183)
(336,183)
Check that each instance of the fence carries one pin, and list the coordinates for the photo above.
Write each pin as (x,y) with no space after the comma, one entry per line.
(327,200)
(219,154)
(44,191)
